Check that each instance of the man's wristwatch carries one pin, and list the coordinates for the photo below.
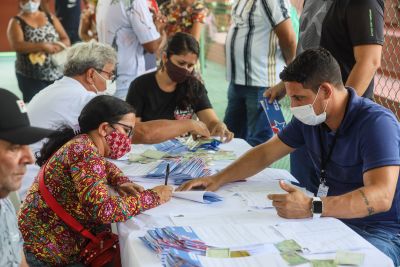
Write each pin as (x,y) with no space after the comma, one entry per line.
(316,207)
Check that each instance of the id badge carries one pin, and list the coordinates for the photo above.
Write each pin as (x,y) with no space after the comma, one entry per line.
(322,190)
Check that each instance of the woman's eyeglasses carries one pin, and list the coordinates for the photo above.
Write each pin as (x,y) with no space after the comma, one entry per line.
(128,129)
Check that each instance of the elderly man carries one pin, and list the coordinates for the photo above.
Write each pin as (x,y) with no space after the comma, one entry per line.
(15,136)
(354,147)
(89,71)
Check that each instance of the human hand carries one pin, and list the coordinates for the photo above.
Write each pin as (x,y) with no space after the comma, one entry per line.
(275,92)
(51,48)
(294,205)
(209,183)
(160,21)
(222,131)
(129,189)
(199,129)
(164,192)
(86,15)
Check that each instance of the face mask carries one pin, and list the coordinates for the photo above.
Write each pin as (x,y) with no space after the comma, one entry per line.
(30,7)
(111,87)
(306,114)
(177,74)
(118,143)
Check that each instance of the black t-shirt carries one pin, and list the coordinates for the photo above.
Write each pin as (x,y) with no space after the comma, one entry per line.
(350,23)
(338,26)
(152,103)
(69,12)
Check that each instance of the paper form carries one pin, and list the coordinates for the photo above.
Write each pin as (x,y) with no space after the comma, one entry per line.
(259,260)
(257,199)
(241,217)
(322,235)
(198,196)
(273,174)
(233,236)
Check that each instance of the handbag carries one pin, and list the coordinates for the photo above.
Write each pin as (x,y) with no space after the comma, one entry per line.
(60,58)
(102,249)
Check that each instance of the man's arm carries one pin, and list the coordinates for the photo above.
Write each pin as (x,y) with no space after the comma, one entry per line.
(374,197)
(23,260)
(157,131)
(287,39)
(247,165)
(368,60)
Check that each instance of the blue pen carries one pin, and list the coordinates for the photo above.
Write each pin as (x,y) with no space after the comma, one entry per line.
(166,174)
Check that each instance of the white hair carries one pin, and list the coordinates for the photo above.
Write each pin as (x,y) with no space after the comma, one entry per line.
(85,55)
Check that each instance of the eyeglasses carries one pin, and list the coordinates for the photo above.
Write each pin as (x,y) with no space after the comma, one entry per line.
(128,129)
(111,75)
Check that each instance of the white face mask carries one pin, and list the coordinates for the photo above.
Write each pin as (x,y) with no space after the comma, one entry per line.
(30,7)
(306,113)
(111,87)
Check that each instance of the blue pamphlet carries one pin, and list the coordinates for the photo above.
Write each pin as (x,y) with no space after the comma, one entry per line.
(274,115)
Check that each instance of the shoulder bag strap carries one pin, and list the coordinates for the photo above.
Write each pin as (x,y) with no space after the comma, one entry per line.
(56,207)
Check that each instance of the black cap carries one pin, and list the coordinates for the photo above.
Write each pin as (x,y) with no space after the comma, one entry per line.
(14,123)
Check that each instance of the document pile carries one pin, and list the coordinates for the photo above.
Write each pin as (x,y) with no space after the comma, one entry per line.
(179,237)
(181,170)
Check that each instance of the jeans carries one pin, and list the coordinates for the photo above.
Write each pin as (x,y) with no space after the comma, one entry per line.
(386,240)
(302,168)
(244,115)
(34,262)
(30,87)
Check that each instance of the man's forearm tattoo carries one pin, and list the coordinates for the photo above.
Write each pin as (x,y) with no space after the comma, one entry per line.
(370,210)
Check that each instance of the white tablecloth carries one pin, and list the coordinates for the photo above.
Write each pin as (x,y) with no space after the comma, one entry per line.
(135,253)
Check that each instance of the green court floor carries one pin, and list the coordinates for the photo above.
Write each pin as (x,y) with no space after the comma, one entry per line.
(214,77)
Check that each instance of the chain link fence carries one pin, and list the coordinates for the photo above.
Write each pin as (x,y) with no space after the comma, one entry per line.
(387,79)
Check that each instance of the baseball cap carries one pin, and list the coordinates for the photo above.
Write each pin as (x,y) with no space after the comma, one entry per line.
(14,122)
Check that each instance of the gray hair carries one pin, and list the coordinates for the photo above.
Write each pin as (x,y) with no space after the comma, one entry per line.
(92,54)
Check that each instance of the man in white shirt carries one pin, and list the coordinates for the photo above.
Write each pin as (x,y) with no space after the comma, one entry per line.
(129,28)
(15,136)
(260,41)
(89,71)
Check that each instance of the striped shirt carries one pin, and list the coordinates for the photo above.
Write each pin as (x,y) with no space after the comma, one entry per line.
(253,55)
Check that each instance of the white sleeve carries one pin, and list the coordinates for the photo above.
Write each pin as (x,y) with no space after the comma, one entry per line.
(276,11)
(142,22)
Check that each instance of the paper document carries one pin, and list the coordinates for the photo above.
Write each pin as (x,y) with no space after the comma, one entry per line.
(138,169)
(237,236)
(198,196)
(273,174)
(260,260)
(257,199)
(322,235)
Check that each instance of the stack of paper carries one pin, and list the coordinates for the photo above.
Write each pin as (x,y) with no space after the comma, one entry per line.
(184,238)
(172,147)
(198,196)
(181,170)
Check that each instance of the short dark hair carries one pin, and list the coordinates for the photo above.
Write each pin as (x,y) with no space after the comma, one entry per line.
(312,68)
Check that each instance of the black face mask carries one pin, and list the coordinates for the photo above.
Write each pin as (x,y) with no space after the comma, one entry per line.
(177,74)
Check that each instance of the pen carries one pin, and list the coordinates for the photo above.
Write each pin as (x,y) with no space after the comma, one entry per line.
(166,174)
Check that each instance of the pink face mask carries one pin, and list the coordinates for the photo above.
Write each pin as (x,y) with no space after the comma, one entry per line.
(119,144)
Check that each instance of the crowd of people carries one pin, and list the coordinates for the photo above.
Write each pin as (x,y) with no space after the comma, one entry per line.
(130,76)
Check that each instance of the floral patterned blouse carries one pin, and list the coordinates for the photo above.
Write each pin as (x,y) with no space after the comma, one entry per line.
(77,176)
(181,19)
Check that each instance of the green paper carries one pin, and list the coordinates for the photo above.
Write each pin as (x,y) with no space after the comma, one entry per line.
(349,258)
(153,154)
(217,252)
(323,263)
(293,258)
(288,246)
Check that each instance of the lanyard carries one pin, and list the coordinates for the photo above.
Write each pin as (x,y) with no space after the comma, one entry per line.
(325,161)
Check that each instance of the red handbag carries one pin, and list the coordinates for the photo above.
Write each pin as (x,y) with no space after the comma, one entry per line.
(102,249)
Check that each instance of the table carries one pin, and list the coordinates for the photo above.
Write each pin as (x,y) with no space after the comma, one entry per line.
(135,253)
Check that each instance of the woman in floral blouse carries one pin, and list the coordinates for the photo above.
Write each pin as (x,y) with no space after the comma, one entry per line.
(184,16)
(77,175)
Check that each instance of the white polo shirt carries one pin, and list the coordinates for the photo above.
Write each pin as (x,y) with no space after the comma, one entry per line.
(126,25)
(57,104)
(253,55)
